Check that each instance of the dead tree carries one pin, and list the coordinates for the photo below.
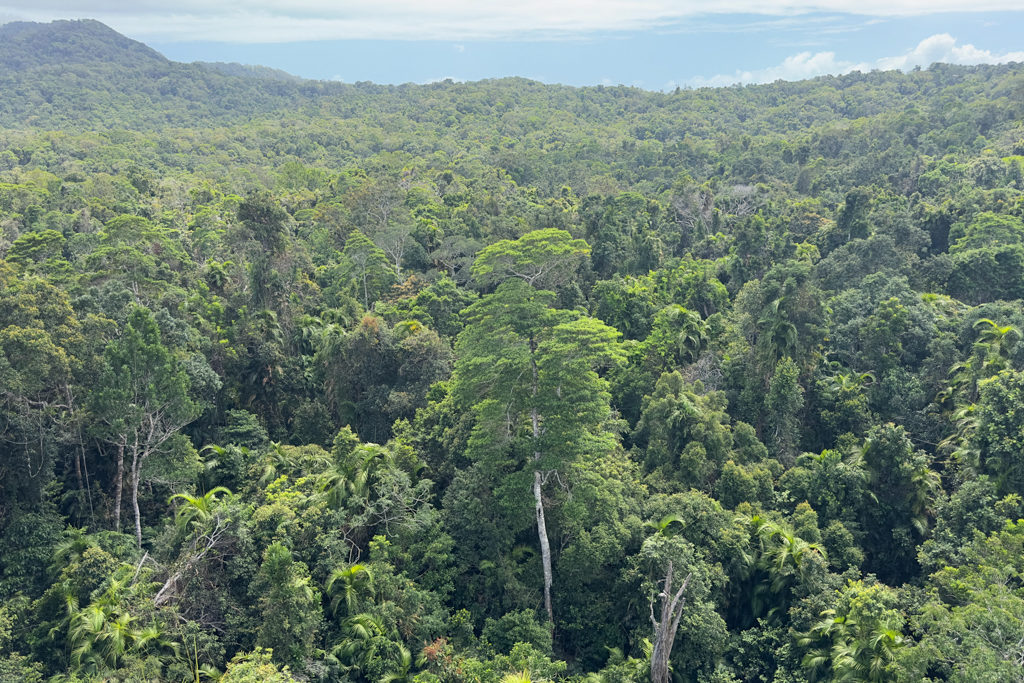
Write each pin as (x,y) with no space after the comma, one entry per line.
(666,626)
(200,546)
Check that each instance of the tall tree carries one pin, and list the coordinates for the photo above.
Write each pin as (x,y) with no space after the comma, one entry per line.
(264,224)
(39,333)
(289,605)
(999,436)
(144,401)
(367,266)
(528,372)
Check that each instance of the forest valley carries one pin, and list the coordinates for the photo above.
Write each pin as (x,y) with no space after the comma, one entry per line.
(504,381)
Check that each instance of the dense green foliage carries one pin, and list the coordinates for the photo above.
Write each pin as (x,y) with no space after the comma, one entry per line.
(503,381)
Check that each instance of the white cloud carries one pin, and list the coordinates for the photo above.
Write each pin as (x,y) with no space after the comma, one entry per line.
(793,68)
(254,21)
(940,47)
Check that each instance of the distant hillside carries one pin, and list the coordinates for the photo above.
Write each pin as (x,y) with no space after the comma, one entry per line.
(250,71)
(25,45)
(83,74)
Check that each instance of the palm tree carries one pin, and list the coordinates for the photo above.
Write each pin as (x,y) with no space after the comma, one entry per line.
(961,445)
(118,636)
(961,378)
(786,558)
(279,462)
(407,328)
(402,674)
(848,383)
(692,336)
(69,598)
(363,636)
(997,342)
(991,355)
(282,460)
(778,331)
(85,635)
(152,640)
(352,479)
(197,510)
(992,350)
(668,524)
(689,333)
(926,483)
(71,548)
(628,668)
(346,585)
(343,482)
(845,649)
(212,457)
(780,561)
(323,332)
(103,633)
(265,323)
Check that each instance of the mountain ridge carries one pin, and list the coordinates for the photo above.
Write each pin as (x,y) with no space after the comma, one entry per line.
(31,44)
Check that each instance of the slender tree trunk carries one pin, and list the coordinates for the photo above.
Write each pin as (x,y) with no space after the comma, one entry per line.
(118,485)
(545,547)
(538,498)
(136,466)
(139,453)
(399,252)
(666,626)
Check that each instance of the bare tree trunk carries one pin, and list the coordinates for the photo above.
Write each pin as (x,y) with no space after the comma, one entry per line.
(169,590)
(538,498)
(666,626)
(136,466)
(118,485)
(545,547)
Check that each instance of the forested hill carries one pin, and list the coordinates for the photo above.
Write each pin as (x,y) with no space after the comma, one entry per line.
(84,75)
(25,46)
(504,381)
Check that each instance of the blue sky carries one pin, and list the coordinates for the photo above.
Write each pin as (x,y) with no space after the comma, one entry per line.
(654,44)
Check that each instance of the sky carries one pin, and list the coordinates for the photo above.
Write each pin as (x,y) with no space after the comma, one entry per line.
(653,44)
